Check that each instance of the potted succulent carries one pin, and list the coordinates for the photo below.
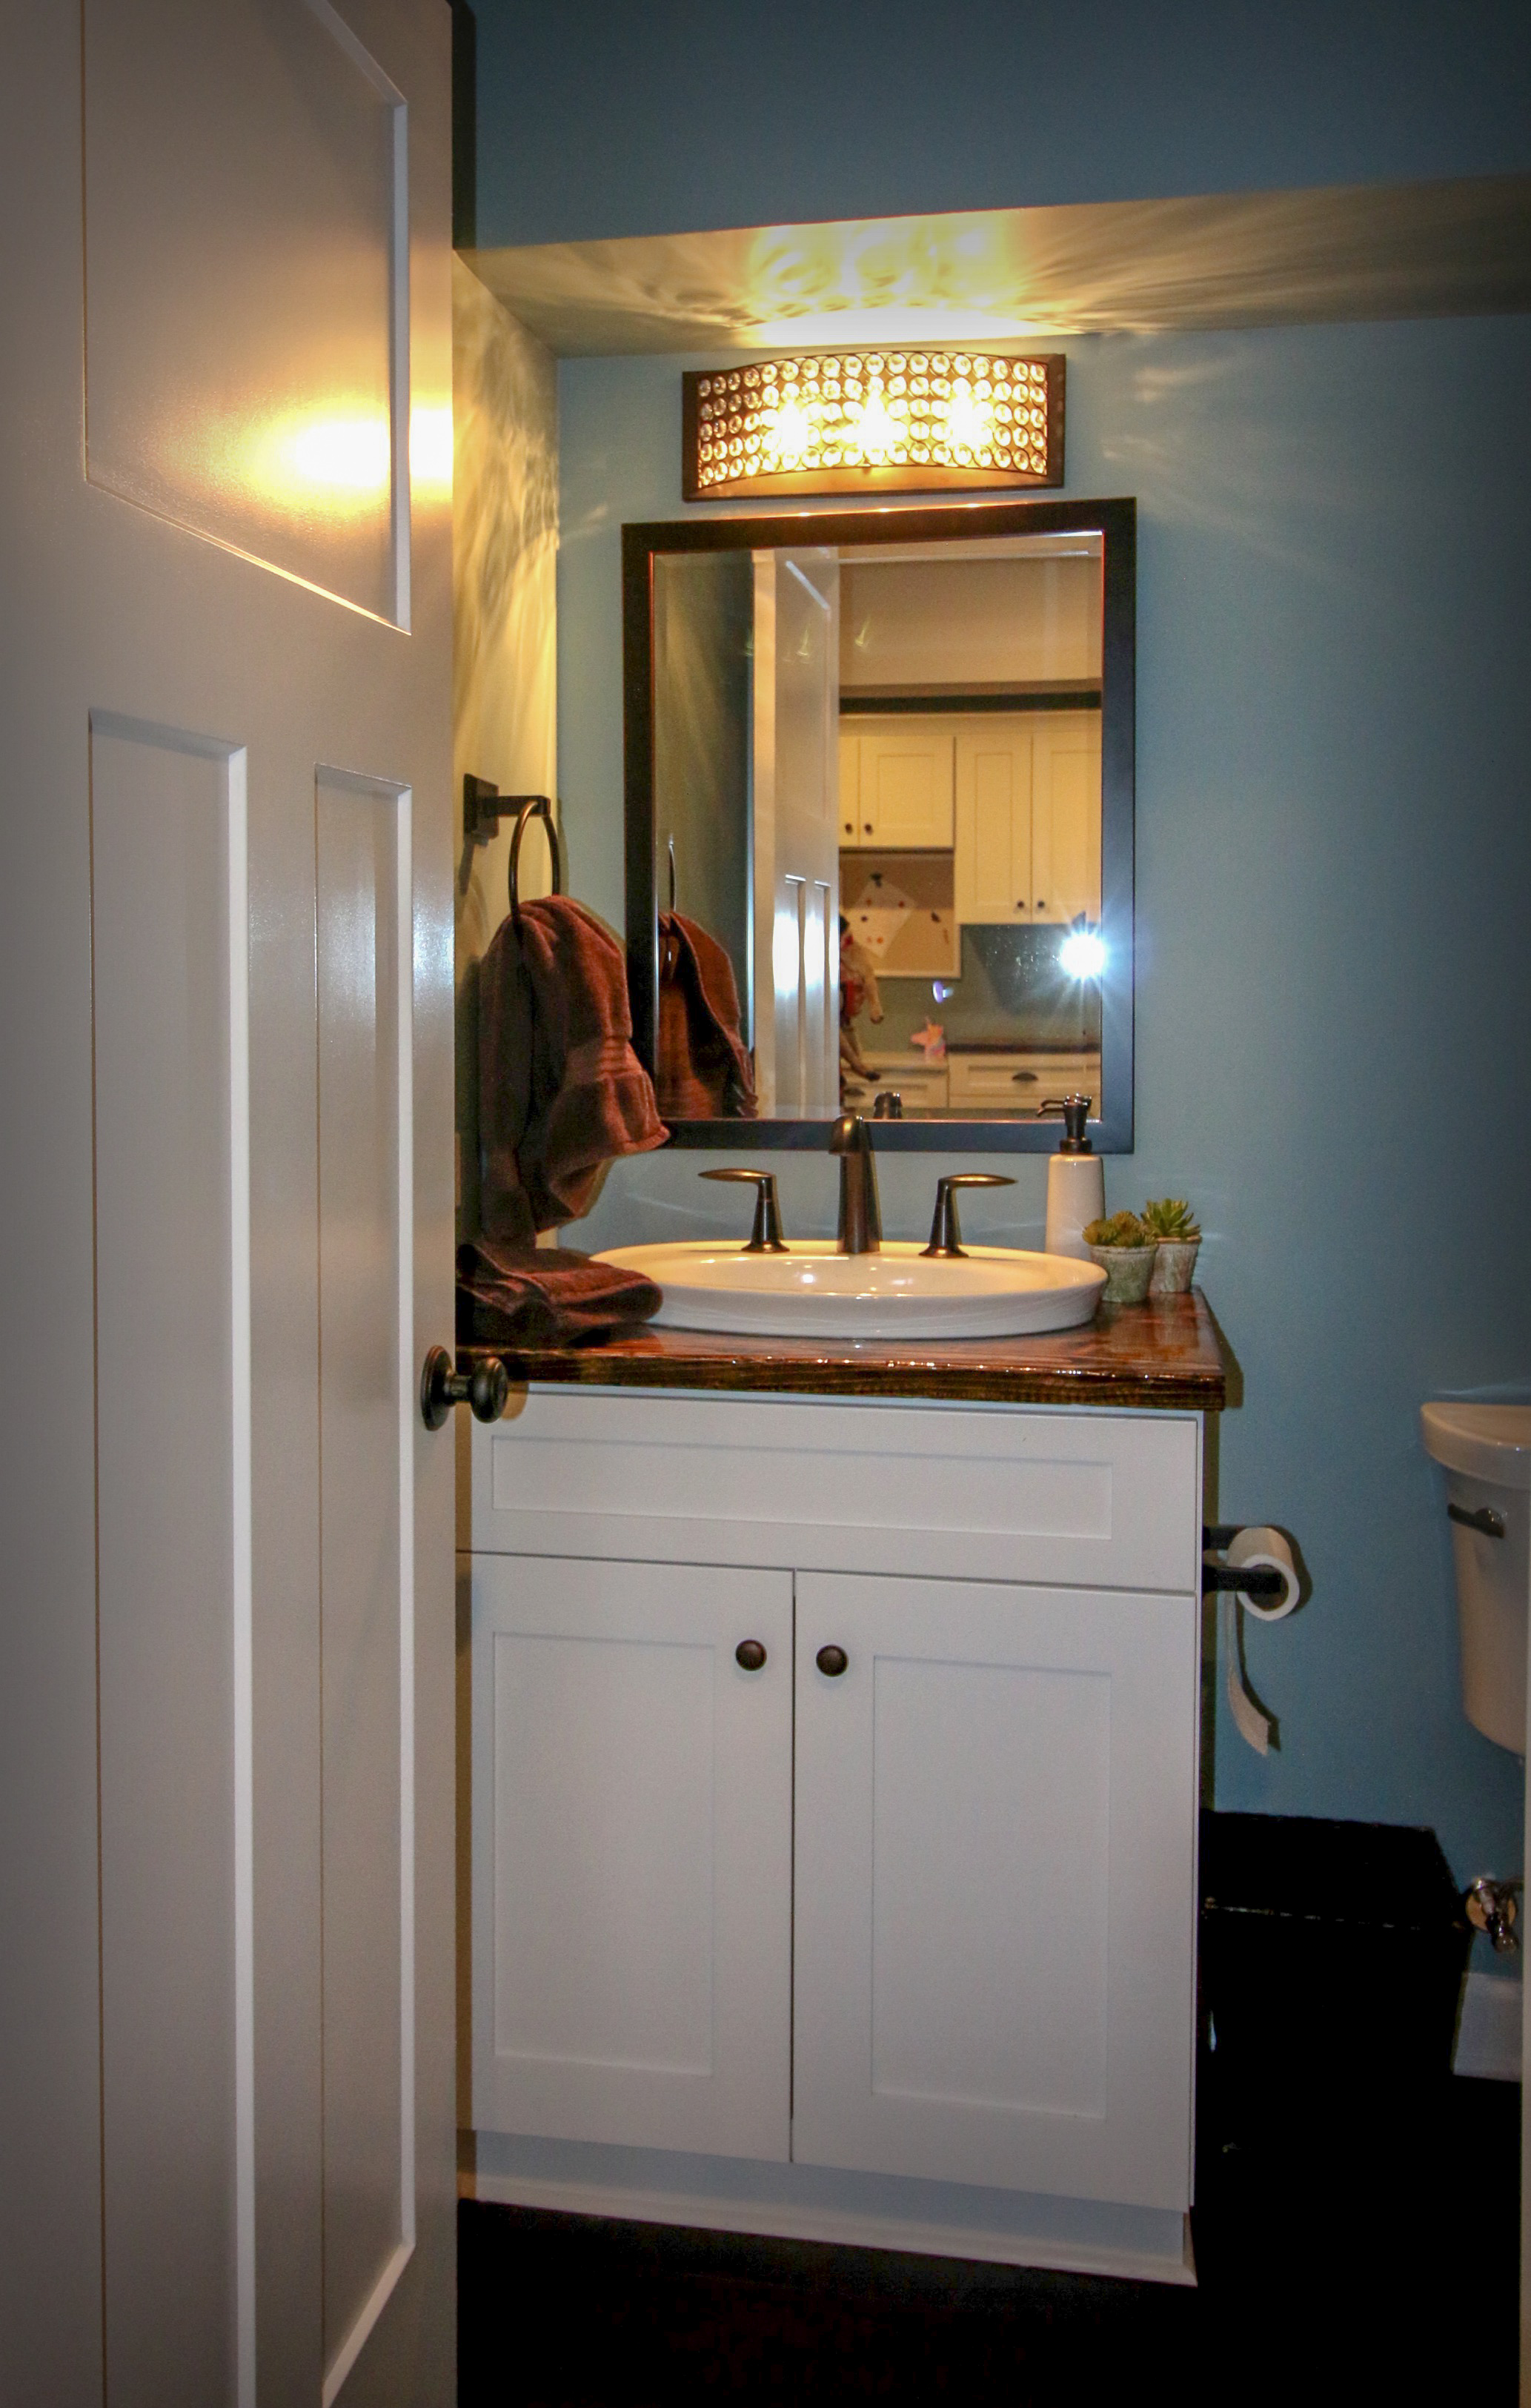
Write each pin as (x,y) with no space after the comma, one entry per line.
(1125,1251)
(1176,1240)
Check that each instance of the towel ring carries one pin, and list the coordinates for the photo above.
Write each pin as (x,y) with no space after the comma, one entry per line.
(534,807)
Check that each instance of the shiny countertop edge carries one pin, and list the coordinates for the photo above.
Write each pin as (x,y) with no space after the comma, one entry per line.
(1166,1356)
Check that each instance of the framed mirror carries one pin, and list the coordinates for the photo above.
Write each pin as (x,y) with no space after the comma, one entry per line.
(880,822)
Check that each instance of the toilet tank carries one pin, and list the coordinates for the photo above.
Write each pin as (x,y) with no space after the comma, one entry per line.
(1485,1451)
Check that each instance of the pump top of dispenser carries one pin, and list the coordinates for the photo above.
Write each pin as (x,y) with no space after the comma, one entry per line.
(1076,1111)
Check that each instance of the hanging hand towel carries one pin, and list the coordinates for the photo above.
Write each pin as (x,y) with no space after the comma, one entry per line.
(561,1091)
(704,1072)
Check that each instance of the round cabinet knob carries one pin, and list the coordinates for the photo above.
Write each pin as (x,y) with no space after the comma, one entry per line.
(749,1655)
(832,1662)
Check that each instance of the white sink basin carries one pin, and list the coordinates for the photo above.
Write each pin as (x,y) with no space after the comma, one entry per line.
(813,1292)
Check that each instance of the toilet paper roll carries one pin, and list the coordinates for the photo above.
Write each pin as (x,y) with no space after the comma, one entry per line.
(1257,1548)
(1266,1549)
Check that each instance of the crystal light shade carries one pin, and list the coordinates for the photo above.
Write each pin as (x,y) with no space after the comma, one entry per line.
(855,422)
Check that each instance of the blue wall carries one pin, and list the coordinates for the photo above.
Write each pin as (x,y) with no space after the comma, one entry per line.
(1335,709)
(599,119)
(1334,971)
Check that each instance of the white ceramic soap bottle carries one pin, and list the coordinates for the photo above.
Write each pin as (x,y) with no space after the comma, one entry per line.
(1076,1185)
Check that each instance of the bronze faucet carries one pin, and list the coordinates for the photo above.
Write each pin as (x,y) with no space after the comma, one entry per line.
(860,1230)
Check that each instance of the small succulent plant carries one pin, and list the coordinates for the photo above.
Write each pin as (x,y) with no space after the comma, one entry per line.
(1168,1222)
(1118,1229)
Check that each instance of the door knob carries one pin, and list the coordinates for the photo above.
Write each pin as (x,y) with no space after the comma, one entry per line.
(485,1386)
(749,1655)
(832,1662)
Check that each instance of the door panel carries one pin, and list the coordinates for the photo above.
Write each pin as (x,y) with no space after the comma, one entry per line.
(632,1854)
(366,1416)
(795,773)
(246,389)
(172,1278)
(994,1903)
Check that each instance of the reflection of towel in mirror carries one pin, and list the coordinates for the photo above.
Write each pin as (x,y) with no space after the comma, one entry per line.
(560,1090)
(545,1295)
(705,1073)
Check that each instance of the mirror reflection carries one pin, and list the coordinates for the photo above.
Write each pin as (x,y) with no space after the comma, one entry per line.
(876,823)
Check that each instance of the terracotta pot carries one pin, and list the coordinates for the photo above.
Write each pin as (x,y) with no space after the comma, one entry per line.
(1173,1266)
(1128,1270)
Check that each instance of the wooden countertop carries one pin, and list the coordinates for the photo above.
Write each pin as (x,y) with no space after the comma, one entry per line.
(1167,1353)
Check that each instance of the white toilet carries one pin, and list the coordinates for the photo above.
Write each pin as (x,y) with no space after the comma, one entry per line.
(1486,1452)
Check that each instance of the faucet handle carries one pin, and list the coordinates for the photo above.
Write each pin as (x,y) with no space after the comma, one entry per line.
(945,1235)
(765,1236)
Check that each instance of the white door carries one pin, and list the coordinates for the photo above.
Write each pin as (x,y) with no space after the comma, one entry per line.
(1066,816)
(796,791)
(994,1903)
(632,1853)
(225,1637)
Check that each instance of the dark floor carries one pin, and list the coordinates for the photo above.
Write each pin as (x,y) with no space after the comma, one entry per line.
(1358,2257)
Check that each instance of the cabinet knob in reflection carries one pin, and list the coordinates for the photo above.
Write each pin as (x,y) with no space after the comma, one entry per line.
(748,1655)
(832,1662)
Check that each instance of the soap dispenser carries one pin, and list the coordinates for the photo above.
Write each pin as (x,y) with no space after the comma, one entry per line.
(1076,1185)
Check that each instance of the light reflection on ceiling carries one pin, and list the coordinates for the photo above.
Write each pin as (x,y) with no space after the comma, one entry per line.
(1454,248)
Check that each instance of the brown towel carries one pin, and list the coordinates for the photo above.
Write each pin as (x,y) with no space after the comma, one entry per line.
(560,1090)
(704,1072)
(545,1295)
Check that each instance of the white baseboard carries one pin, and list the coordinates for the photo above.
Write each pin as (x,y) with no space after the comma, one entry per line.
(807,2203)
(1488,2028)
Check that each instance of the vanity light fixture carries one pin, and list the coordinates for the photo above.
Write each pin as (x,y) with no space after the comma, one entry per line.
(911,420)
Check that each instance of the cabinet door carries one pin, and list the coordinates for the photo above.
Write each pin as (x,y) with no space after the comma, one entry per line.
(1066,816)
(851,828)
(632,1913)
(996,1886)
(991,864)
(906,784)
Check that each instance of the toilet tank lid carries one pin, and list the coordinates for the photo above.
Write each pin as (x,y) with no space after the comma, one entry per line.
(1484,1442)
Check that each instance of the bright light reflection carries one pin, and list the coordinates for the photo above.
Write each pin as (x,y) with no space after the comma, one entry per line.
(341,455)
(429,448)
(1082,955)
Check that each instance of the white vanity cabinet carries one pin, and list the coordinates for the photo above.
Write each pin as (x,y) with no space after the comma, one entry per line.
(885,1931)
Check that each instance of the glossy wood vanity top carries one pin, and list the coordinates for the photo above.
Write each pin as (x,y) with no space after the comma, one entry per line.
(1167,1353)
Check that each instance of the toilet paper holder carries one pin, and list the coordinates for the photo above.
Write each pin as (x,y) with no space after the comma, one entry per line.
(1252,1580)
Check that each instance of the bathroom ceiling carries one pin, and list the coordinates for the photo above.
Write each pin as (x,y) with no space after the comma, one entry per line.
(1453,247)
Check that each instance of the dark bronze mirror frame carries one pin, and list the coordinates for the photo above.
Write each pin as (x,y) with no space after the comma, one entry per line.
(1116,520)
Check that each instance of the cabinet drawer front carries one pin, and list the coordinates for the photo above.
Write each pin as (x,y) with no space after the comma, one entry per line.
(1021,1081)
(1088,1500)
(632,1916)
(996,1886)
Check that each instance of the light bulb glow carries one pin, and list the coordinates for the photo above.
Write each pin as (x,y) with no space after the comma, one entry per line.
(1082,955)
